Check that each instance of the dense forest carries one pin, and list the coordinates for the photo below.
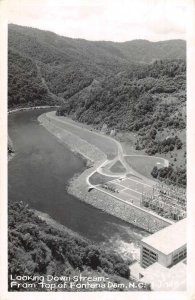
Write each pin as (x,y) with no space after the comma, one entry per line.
(25,86)
(170,175)
(136,87)
(145,98)
(36,248)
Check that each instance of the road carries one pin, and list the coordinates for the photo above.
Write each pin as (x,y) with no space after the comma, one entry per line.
(69,125)
(105,143)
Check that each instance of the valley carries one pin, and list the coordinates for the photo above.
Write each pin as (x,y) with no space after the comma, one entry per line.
(88,181)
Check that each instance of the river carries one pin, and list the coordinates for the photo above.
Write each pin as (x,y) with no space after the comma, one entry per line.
(39,174)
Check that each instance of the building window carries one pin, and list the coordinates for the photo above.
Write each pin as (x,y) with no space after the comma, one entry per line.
(179,256)
(148,257)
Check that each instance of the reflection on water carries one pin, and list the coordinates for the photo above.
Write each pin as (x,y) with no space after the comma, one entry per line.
(39,173)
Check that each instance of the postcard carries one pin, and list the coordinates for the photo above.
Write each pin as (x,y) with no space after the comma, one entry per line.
(97,104)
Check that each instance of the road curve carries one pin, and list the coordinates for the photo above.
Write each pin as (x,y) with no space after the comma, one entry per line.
(120,157)
(120,153)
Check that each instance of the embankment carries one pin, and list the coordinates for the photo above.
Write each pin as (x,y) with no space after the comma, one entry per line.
(13,110)
(79,187)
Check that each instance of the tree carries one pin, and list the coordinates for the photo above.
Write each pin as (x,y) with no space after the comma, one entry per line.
(154,172)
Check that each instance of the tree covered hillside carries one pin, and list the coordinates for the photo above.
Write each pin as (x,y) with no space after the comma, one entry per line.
(25,85)
(146,99)
(66,66)
(47,45)
(39,249)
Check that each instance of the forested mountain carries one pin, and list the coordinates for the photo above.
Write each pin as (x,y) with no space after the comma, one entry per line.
(46,47)
(67,65)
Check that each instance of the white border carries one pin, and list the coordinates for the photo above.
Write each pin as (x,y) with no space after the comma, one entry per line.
(190,293)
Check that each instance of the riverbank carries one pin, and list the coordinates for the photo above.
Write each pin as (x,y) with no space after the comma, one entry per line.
(77,145)
(79,187)
(11,151)
(57,226)
(10,111)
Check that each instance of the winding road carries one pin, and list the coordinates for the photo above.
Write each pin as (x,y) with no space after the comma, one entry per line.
(116,146)
(71,126)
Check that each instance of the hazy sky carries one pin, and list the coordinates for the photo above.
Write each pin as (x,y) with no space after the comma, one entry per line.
(116,20)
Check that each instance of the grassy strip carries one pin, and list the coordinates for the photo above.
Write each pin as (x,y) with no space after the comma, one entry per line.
(98,178)
(117,167)
(144,164)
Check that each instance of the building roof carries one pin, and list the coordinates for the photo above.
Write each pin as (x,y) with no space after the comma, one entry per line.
(169,238)
(165,279)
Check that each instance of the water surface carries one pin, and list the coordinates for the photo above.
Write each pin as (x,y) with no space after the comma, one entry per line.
(39,174)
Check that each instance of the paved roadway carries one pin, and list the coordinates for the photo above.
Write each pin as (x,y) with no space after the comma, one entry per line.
(106,144)
(101,144)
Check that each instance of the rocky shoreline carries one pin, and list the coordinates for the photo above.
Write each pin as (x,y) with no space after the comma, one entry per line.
(79,187)
(11,151)
(10,111)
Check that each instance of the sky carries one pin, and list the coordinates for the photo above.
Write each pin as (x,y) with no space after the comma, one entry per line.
(114,20)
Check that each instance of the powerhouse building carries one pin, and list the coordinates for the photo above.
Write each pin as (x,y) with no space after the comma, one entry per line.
(167,246)
(163,259)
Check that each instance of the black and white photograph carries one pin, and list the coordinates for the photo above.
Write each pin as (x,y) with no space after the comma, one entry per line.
(96,146)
